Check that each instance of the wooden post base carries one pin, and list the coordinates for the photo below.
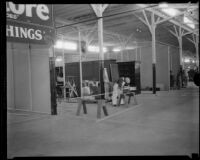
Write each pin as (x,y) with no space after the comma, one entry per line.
(80,103)
(101,105)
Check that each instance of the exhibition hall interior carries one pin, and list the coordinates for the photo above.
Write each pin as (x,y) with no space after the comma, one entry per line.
(102,79)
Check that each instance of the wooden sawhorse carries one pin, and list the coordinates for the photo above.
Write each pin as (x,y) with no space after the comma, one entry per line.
(100,106)
(129,94)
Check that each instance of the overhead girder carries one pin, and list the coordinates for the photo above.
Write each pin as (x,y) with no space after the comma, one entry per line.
(167,18)
(195,41)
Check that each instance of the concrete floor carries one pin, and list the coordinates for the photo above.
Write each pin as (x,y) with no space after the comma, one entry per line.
(163,124)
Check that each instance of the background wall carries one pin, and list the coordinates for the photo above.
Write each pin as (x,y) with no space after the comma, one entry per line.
(40,78)
(162,66)
(175,61)
(28,79)
(146,67)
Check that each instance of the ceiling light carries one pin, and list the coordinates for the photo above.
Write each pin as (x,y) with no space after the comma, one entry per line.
(93,49)
(105,49)
(66,45)
(163,5)
(70,45)
(188,22)
(170,11)
(96,49)
(130,47)
(186,60)
(116,50)
(58,59)
(59,44)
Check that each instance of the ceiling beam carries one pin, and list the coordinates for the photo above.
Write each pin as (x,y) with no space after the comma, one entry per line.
(190,32)
(147,21)
(84,27)
(99,8)
(140,18)
(169,18)
(163,16)
(173,33)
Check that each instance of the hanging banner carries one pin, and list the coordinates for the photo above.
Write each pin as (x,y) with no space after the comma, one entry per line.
(26,33)
(30,13)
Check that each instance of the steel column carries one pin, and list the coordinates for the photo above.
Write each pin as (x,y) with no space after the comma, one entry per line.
(98,9)
(80,61)
(64,90)
(180,48)
(100,37)
(153,27)
(52,76)
(169,67)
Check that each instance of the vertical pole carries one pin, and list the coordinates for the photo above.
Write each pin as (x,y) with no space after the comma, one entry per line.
(53,77)
(180,48)
(53,84)
(169,67)
(153,27)
(80,61)
(100,37)
(171,59)
(64,90)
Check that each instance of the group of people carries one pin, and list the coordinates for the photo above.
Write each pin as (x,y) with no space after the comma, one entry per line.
(90,88)
(182,78)
(114,92)
(119,87)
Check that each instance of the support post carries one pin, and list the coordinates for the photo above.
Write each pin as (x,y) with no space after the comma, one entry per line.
(180,48)
(196,43)
(53,84)
(178,34)
(53,75)
(169,67)
(99,9)
(80,61)
(64,90)
(153,27)
(100,37)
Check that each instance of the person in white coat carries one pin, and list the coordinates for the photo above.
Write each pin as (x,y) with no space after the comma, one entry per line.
(115,93)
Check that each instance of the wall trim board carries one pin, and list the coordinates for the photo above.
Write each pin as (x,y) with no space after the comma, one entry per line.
(28,111)
(30,77)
